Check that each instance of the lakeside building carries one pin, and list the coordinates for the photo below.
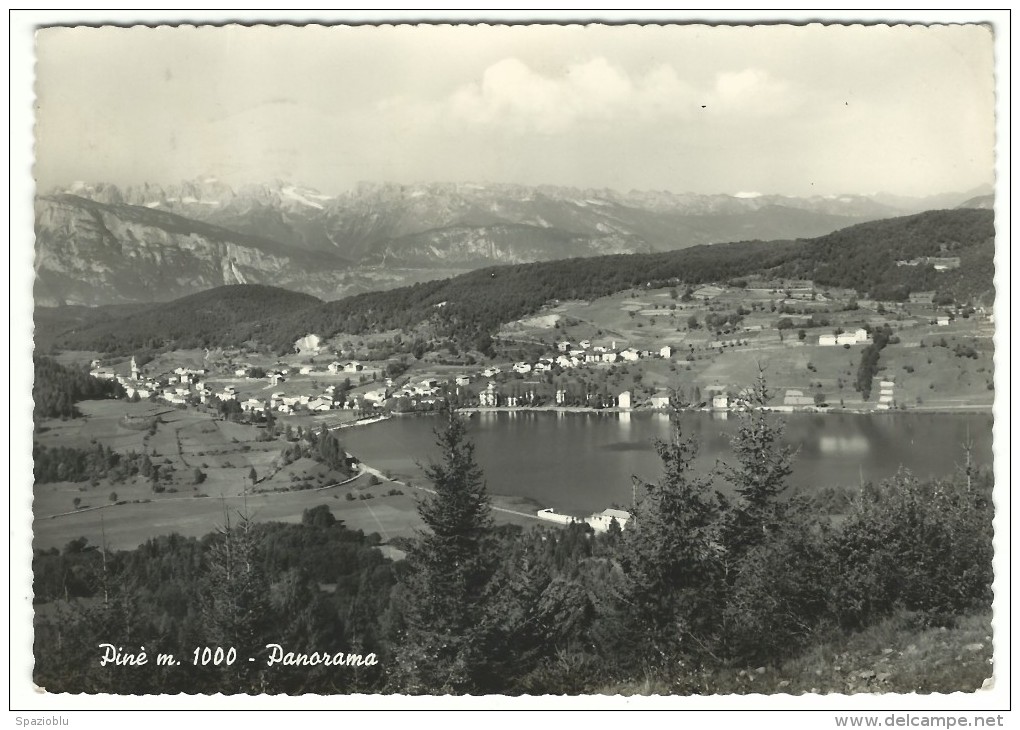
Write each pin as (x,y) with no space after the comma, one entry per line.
(551,515)
(623,400)
(659,400)
(601,521)
(489,397)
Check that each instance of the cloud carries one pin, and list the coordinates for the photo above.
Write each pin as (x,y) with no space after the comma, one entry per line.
(512,95)
(750,91)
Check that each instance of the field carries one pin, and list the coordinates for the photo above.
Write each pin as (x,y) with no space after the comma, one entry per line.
(127,513)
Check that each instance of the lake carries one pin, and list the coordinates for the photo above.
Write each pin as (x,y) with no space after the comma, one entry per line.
(583,462)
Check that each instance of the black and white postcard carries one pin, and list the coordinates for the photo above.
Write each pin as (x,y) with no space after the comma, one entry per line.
(639,365)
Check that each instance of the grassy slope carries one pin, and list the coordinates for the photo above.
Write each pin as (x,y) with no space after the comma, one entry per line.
(892,657)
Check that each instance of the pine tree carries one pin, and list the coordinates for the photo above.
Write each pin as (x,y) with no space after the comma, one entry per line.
(235,606)
(443,594)
(672,558)
(763,464)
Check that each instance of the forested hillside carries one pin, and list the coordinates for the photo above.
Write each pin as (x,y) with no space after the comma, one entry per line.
(471,307)
(226,315)
(864,257)
(56,389)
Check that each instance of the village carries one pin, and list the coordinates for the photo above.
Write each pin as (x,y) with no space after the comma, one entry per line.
(637,350)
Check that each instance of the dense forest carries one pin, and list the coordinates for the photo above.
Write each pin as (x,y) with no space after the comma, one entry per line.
(695,585)
(67,463)
(864,256)
(227,315)
(56,389)
(471,307)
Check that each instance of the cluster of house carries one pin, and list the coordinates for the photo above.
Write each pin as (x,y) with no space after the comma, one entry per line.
(175,387)
(857,337)
(279,374)
(585,353)
(600,521)
(287,404)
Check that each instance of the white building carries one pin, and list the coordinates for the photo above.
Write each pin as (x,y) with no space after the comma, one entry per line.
(489,397)
(666,352)
(550,515)
(630,355)
(827,340)
(375,396)
(720,401)
(623,400)
(659,401)
(600,522)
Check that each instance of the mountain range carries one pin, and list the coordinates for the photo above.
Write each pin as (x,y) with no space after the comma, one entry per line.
(107,244)
(470,308)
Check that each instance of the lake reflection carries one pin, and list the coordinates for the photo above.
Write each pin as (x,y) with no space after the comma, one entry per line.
(580,463)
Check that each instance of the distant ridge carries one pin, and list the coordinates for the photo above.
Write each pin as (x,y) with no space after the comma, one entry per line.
(469,308)
(104,244)
(980,202)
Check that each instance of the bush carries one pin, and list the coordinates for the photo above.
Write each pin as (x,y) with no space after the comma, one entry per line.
(779,596)
(373,481)
(922,546)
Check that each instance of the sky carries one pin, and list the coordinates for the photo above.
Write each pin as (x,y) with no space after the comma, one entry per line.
(795,110)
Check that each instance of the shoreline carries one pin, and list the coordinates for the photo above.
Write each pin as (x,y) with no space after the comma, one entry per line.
(945,410)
